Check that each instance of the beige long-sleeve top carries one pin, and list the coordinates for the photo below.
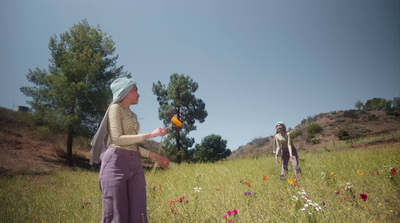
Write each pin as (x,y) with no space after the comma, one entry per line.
(283,141)
(124,127)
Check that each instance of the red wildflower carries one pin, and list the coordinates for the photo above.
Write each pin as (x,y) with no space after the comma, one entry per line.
(393,171)
(337,191)
(364,197)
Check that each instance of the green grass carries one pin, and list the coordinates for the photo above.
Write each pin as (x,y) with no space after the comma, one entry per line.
(60,197)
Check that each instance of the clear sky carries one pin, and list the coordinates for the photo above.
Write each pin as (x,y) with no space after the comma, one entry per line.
(256,61)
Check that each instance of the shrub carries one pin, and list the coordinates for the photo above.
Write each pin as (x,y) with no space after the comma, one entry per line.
(296,133)
(314,128)
(343,135)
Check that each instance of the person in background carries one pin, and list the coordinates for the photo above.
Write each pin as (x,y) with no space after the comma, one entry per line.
(122,180)
(282,141)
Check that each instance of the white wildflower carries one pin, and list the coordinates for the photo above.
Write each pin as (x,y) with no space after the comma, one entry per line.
(197,189)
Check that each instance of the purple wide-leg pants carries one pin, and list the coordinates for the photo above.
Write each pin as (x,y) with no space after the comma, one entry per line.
(123,187)
(285,161)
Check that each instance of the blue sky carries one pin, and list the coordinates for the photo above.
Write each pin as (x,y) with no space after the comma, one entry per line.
(256,61)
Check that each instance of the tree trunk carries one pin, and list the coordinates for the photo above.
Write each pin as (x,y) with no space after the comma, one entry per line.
(69,147)
(178,142)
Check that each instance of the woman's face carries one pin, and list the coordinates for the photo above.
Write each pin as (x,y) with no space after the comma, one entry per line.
(280,128)
(133,96)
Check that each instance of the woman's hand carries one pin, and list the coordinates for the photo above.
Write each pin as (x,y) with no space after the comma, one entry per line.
(157,132)
(163,161)
(276,159)
(291,159)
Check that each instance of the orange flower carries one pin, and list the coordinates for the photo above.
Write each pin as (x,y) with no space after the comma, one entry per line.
(265,178)
(176,121)
(360,172)
(290,181)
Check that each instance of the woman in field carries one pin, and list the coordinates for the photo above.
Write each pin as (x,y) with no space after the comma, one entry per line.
(283,142)
(122,181)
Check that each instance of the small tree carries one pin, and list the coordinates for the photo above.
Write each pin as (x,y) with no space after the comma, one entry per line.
(358,105)
(212,149)
(178,99)
(74,93)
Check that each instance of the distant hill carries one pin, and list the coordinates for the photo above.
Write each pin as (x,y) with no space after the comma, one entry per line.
(363,127)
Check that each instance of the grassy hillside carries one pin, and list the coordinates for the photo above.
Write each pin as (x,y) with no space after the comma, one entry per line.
(350,185)
(27,148)
(364,127)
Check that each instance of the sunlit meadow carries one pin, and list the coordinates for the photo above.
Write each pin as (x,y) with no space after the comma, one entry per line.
(350,185)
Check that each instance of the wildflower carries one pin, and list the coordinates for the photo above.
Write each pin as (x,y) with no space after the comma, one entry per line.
(337,191)
(295,197)
(373,173)
(332,174)
(360,173)
(290,181)
(248,184)
(235,211)
(302,192)
(176,121)
(218,189)
(198,176)
(364,197)
(181,199)
(197,189)
(241,181)
(170,203)
(393,171)
(323,203)
(247,193)
(347,186)
(154,187)
(265,177)
(323,175)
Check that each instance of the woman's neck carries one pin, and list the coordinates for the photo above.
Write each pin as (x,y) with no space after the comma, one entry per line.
(125,104)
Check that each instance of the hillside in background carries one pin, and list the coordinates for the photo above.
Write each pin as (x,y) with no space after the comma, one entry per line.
(364,128)
(29,149)
(26,148)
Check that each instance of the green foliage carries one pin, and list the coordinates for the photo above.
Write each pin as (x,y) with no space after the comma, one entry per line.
(296,133)
(332,181)
(314,128)
(74,94)
(359,105)
(378,104)
(178,99)
(212,149)
(343,135)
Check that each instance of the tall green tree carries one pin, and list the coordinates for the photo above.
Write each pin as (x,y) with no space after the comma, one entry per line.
(212,149)
(74,93)
(178,99)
